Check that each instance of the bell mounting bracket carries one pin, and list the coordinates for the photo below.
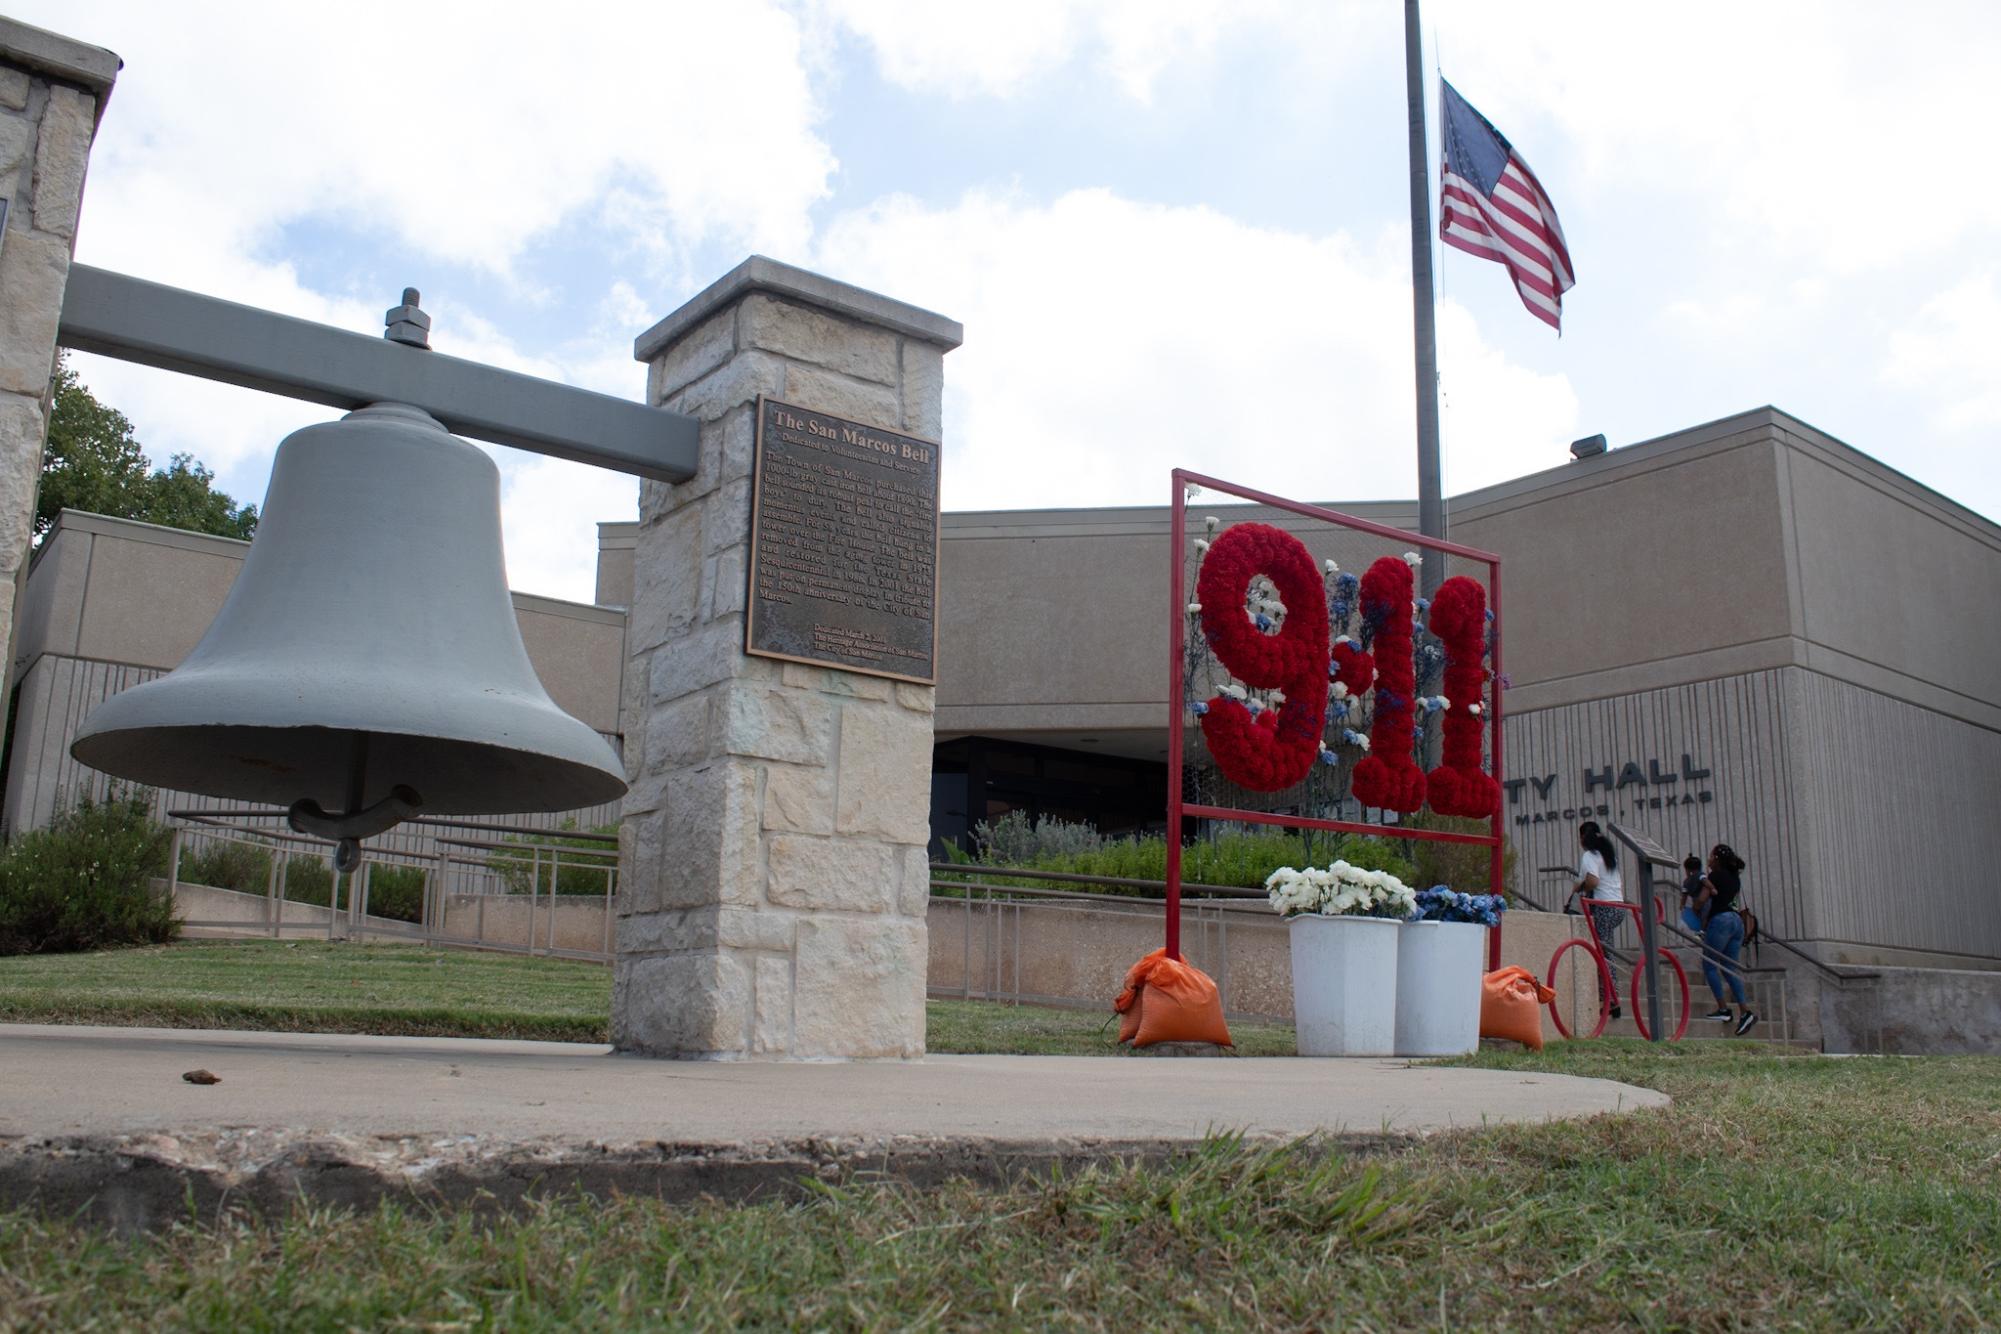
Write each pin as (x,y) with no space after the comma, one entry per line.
(114,315)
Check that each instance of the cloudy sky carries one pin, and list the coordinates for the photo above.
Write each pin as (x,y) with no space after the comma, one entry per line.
(1176,231)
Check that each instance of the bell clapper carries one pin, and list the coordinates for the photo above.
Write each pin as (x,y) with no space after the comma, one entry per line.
(357,822)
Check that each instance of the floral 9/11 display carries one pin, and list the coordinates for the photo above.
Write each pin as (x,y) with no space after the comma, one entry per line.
(1266,610)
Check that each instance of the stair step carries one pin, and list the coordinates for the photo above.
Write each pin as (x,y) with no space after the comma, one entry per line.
(1710,1030)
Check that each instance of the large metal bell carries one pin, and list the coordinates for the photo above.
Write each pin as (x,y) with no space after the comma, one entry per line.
(367,661)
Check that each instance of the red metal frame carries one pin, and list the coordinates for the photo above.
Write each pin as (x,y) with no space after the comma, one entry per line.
(1177,706)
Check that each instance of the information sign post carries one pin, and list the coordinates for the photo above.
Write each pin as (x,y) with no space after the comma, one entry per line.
(1647,854)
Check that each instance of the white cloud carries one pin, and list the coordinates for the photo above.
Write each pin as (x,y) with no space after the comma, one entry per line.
(550,510)
(1816,133)
(1821,130)
(457,131)
(962,51)
(435,134)
(1949,352)
(1497,420)
(1109,341)
(1793,161)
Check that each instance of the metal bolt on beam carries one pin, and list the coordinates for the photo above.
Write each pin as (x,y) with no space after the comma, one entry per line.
(407,324)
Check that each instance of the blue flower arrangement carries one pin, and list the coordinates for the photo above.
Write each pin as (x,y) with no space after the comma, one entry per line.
(1443,904)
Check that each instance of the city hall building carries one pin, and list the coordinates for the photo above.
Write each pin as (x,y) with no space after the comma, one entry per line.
(1744,632)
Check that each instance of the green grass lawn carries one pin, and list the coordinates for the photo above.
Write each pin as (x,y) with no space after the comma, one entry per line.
(321,987)
(312,986)
(1780,1191)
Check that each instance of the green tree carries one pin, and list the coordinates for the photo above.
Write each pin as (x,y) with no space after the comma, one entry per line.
(95,463)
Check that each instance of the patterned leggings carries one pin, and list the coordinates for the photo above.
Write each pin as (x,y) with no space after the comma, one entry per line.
(1607,921)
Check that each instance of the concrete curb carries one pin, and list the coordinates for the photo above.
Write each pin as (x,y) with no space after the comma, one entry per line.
(140,1128)
(139,1183)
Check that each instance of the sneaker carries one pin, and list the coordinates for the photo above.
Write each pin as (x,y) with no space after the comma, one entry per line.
(1720,1014)
(1744,1024)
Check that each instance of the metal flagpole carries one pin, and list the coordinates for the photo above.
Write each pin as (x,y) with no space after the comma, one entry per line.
(1430,495)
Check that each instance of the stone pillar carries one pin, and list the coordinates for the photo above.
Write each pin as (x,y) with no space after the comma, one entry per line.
(52,91)
(773,877)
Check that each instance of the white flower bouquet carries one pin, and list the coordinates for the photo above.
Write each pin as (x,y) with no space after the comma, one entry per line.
(1339,890)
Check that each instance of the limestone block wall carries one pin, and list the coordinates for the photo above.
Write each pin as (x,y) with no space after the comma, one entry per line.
(773,877)
(52,91)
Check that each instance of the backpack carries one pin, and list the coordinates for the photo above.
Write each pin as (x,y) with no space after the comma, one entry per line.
(1750,924)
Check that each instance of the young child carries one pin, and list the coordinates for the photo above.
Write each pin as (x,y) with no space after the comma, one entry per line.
(1691,886)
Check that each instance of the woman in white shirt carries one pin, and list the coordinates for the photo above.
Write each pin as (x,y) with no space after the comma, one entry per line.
(1598,879)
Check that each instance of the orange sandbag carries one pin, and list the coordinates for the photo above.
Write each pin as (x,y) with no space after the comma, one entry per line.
(1511,1001)
(1170,1000)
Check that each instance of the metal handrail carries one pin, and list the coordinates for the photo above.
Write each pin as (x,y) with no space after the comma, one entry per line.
(526,849)
(222,825)
(994,891)
(442,822)
(1068,877)
(1828,971)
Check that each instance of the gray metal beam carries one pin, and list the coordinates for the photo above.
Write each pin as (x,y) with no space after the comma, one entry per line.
(130,319)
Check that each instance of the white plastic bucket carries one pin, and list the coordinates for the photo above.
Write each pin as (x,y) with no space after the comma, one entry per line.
(1439,966)
(1344,985)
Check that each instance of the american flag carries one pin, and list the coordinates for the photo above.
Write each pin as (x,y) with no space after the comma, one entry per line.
(1491,205)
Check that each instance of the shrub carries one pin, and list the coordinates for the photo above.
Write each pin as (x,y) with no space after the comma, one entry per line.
(224,864)
(1238,857)
(85,882)
(396,891)
(517,865)
(393,891)
(1014,840)
(308,879)
(1462,866)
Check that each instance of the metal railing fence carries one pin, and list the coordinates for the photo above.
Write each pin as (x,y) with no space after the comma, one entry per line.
(526,879)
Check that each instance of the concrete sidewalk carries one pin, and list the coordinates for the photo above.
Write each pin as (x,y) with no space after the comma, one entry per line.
(88,1114)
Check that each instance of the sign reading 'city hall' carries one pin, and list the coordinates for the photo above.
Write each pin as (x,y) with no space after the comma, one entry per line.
(843,545)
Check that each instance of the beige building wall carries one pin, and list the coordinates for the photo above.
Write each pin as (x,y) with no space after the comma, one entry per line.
(618,544)
(1774,620)
(1643,567)
(1895,585)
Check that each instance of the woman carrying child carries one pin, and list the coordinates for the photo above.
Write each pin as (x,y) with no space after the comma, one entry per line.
(1723,934)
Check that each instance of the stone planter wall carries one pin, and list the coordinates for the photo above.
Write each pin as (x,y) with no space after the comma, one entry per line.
(773,870)
(52,91)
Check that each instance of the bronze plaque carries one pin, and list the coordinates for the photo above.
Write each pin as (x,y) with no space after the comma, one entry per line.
(843,545)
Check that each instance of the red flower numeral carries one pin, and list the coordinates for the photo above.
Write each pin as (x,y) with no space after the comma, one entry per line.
(1276,748)
(1458,786)
(1387,776)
